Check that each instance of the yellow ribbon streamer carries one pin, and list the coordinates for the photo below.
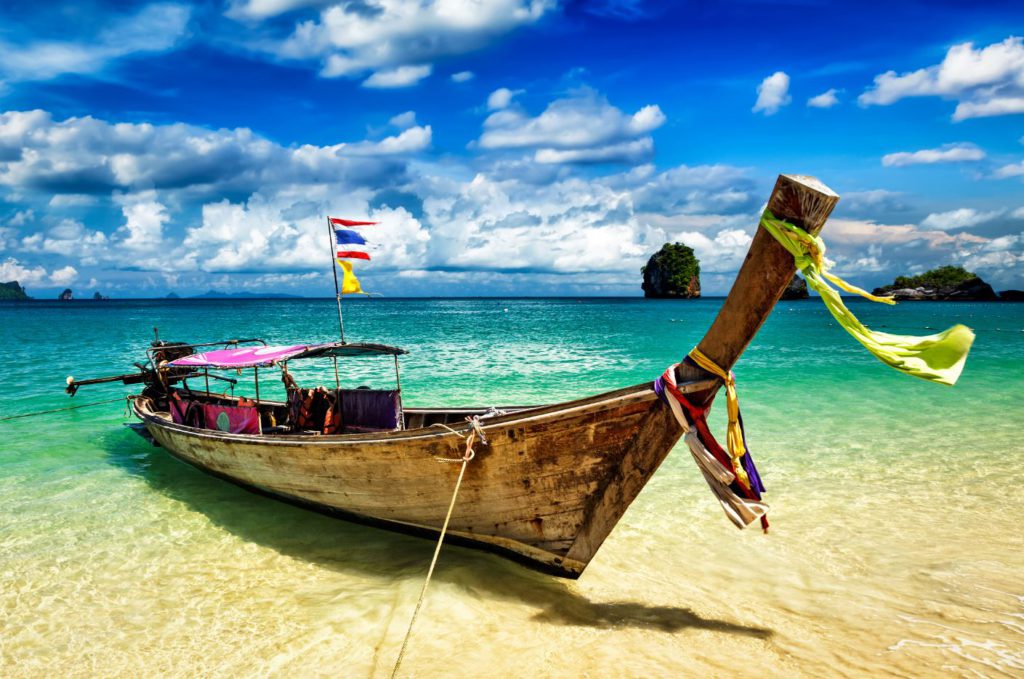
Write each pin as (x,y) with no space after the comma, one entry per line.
(936,358)
(734,436)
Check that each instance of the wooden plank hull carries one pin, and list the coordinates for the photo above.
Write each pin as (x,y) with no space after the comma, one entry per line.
(547,488)
(551,482)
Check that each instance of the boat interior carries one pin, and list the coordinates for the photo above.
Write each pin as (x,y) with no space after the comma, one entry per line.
(317,411)
(320,410)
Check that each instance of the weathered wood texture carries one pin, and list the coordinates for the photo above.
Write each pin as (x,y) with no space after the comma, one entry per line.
(549,485)
(766,271)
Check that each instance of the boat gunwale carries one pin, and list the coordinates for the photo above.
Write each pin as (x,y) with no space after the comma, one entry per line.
(638,392)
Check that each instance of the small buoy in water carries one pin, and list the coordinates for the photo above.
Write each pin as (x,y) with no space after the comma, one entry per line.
(505,310)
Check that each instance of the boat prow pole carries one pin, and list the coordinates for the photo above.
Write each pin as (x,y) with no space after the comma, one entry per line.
(765,273)
(768,268)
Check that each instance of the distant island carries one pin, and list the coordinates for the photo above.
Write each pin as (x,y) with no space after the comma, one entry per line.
(66,296)
(941,283)
(12,291)
(672,272)
(216,294)
(797,289)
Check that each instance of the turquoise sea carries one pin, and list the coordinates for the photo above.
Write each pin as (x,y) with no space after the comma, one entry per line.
(896,549)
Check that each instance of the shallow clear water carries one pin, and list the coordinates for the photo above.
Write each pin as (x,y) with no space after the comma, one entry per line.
(896,546)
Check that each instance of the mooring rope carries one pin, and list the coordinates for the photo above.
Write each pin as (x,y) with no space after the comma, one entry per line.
(60,410)
(466,457)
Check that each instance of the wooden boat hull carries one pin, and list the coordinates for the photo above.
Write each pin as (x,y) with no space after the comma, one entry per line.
(547,488)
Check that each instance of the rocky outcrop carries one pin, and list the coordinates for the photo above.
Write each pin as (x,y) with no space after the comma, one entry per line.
(971,290)
(952,283)
(673,272)
(66,296)
(12,290)
(1012,295)
(797,289)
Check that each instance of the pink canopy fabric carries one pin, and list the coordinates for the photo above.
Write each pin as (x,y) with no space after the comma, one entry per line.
(249,357)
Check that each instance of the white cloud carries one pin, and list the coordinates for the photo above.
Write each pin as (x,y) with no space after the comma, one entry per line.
(155,28)
(1018,213)
(89,156)
(863,233)
(1011,170)
(577,228)
(985,82)
(773,93)
(1002,258)
(826,99)
(693,190)
(64,276)
(69,238)
(21,217)
(463,76)
(143,225)
(263,9)
(635,151)
(949,153)
(583,127)
(404,121)
(897,249)
(958,219)
(569,227)
(996,106)
(384,36)
(500,98)
(72,200)
(261,235)
(402,76)
(13,270)
(872,201)
(411,140)
(722,254)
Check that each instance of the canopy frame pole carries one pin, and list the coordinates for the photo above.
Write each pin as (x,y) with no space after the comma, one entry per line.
(337,378)
(334,270)
(256,374)
(398,386)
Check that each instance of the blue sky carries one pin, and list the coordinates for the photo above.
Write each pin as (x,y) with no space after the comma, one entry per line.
(524,147)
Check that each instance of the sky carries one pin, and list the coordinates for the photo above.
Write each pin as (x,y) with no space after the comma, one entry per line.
(506,147)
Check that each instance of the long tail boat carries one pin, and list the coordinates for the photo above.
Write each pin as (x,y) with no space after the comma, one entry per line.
(547,486)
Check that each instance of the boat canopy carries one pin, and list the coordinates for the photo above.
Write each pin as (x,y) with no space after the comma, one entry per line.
(258,357)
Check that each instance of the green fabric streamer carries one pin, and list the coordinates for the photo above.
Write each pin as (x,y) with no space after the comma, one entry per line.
(936,358)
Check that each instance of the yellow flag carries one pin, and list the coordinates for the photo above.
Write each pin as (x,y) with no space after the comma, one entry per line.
(349,284)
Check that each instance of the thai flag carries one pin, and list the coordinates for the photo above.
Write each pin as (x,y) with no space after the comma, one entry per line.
(349,244)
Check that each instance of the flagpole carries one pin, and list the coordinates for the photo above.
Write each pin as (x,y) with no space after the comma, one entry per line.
(334,270)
